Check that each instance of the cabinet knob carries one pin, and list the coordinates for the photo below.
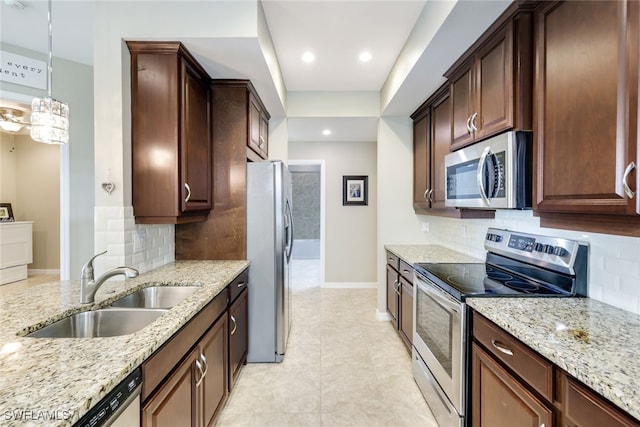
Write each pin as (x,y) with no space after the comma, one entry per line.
(630,193)
(186,199)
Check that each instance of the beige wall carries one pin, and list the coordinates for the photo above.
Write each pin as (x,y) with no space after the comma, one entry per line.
(30,182)
(350,247)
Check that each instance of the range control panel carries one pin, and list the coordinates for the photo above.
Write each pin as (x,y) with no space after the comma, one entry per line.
(542,250)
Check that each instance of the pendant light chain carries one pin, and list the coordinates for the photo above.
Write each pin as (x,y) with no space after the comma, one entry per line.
(49,117)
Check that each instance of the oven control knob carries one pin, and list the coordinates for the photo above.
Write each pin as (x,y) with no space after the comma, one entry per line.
(549,249)
(539,247)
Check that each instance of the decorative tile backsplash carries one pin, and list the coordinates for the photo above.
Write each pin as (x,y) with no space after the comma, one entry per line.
(614,261)
(115,231)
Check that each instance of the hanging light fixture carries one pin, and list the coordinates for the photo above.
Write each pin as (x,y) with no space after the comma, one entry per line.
(49,117)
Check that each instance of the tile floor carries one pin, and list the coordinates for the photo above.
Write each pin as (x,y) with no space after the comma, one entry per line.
(342,367)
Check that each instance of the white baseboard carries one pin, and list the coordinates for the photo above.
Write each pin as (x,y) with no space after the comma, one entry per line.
(350,285)
(41,271)
(382,316)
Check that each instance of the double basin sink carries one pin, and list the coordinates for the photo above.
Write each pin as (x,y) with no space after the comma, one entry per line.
(124,316)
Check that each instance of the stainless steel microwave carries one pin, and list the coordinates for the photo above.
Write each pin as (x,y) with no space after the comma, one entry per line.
(492,174)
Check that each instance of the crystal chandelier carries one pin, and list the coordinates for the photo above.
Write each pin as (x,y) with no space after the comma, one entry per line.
(49,117)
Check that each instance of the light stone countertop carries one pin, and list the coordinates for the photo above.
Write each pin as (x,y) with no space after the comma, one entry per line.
(70,375)
(429,253)
(596,343)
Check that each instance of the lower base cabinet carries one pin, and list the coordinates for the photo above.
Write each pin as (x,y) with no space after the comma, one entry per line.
(186,382)
(512,385)
(196,391)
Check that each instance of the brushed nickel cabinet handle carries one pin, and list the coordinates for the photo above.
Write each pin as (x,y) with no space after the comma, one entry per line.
(241,284)
(425,193)
(235,325)
(473,122)
(469,130)
(500,347)
(188,192)
(630,167)
(206,365)
(431,196)
(199,381)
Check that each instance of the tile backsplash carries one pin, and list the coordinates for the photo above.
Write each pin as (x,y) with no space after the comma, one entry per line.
(116,232)
(614,261)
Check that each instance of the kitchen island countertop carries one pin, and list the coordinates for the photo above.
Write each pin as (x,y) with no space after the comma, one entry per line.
(594,342)
(54,382)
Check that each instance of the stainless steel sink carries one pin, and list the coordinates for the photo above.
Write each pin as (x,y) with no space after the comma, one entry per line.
(156,297)
(99,323)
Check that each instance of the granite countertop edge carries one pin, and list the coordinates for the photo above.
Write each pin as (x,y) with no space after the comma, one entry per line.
(54,382)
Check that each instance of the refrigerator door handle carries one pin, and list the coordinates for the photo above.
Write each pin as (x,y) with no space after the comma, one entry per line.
(288,227)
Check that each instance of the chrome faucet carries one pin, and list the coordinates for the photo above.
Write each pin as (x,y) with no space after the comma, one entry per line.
(88,286)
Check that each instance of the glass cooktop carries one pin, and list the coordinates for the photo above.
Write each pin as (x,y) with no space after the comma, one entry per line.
(462,280)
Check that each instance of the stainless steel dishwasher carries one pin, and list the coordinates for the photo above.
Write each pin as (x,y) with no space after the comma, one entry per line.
(119,408)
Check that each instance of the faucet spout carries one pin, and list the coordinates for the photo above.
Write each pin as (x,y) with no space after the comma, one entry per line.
(89,286)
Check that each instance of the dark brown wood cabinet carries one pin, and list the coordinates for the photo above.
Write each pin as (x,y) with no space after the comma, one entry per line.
(500,399)
(490,85)
(400,297)
(171,134)
(238,335)
(431,143)
(586,115)
(224,234)
(258,127)
(198,387)
(190,376)
(513,385)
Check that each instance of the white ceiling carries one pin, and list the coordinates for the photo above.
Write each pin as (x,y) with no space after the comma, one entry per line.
(335,30)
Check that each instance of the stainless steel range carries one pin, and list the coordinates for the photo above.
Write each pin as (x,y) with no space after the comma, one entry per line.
(516,265)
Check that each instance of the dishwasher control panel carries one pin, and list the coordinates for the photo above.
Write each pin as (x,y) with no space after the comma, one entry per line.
(113,403)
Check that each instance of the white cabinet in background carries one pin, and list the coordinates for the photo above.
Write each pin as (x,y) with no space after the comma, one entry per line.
(16,250)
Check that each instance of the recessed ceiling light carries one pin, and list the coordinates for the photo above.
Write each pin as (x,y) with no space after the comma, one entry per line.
(365,56)
(308,57)
(326,132)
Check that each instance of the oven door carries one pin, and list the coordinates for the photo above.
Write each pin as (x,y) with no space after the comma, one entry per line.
(438,338)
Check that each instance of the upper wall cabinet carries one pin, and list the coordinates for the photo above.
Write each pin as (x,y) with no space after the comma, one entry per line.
(258,126)
(586,115)
(171,134)
(490,85)
(431,142)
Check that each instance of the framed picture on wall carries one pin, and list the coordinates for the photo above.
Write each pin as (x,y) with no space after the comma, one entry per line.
(354,190)
(6,213)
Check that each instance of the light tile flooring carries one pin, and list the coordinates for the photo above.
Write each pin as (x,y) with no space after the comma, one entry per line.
(342,367)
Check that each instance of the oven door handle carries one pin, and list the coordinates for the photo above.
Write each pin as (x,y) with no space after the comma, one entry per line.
(443,299)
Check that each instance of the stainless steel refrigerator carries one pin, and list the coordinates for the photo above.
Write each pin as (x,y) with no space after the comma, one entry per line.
(269,246)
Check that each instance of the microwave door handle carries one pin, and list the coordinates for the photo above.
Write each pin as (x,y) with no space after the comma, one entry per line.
(499,176)
(481,163)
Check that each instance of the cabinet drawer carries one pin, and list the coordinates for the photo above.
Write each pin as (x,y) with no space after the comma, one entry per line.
(406,270)
(167,357)
(238,285)
(393,260)
(532,368)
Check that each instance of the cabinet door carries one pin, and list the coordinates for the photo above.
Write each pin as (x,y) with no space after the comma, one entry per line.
(255,120)
(406,312)
(264,136)
(238,336)
(392,294)
(462,107)
(440,147)
(421,164)
(584,408)
(174,404)
(494,85)
(213,389)
(196,142)
(586,109)
(499,399)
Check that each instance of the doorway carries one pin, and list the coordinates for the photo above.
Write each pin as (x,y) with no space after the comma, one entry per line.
(307,177)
